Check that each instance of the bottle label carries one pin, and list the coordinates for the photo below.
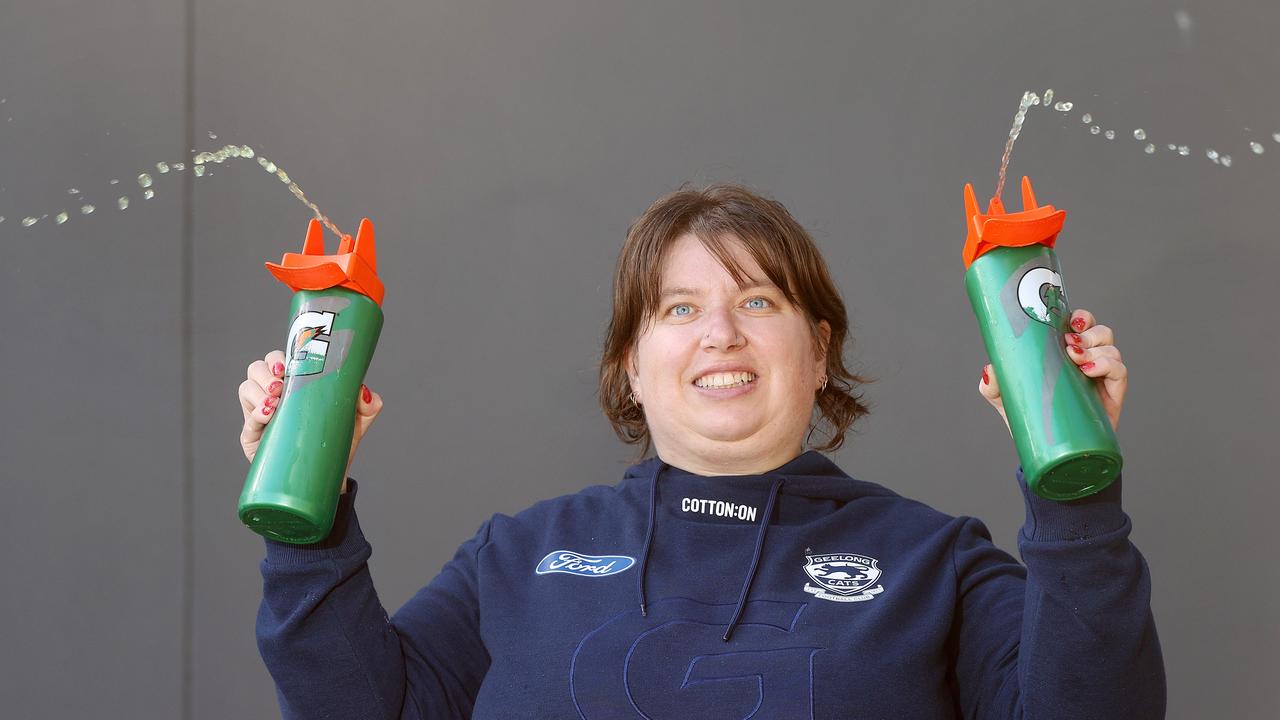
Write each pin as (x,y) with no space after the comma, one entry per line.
(308,343)
(1041,295)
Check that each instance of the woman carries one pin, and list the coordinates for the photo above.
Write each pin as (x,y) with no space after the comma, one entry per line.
(734,574)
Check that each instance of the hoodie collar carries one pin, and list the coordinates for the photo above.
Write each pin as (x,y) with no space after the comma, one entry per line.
(809,474)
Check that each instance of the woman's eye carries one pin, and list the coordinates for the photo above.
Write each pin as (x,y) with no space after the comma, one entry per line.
(681,310)
(758,303)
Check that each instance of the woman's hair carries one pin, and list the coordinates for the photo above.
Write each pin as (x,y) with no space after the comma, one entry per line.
(715,214)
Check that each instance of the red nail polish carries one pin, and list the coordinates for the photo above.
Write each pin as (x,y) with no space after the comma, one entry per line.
(1078,324)
(1077,349)
(985,379)
(267,410)
(1074,339)
(276,387)
(270,401)
(1087,366)
(368,396)
(277,369)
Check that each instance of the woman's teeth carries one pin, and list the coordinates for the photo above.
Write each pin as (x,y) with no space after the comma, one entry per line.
(724,380)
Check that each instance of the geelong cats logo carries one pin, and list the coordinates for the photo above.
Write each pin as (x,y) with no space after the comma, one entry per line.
(842,577)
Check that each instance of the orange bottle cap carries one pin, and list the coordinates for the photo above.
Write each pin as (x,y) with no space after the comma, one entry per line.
(1035,224)
(354,267)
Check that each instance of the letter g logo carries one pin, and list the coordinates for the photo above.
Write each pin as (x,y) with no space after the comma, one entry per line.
(674,664)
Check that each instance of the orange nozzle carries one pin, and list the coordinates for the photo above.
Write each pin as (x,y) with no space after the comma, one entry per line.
(1035,224)
(354,267)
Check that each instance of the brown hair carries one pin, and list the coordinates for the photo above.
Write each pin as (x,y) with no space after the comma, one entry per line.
(785,252)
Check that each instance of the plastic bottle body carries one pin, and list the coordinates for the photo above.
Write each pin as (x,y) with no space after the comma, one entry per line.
(1064,439)
(291,492)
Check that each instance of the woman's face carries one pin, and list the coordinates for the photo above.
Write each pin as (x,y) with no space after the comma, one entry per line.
(727,376)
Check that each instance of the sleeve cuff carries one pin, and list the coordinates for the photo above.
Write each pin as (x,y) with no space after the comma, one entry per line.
(344,540)
(1079,519)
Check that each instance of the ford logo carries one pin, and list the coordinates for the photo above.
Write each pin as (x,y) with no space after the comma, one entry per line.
(568,561)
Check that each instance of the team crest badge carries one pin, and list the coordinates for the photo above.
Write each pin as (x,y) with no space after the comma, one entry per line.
(843,577)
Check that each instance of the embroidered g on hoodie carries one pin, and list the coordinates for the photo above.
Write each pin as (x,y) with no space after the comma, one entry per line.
(798,593)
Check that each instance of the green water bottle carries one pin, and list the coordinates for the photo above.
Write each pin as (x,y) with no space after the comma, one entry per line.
(291,492)
(1064,439)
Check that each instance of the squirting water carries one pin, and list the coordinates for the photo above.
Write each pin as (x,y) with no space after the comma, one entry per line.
(199,167)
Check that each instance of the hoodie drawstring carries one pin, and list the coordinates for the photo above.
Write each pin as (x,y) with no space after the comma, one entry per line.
(755,558)
(648,534)
(755,555)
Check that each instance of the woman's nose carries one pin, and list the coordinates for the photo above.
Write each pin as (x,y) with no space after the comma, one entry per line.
(720,331)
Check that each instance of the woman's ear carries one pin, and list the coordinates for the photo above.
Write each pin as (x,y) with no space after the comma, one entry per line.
(633,374)
(824,331)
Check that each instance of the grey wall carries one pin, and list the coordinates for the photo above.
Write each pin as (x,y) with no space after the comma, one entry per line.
(502,149)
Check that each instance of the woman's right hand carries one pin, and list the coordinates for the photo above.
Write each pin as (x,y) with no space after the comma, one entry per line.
(260,396)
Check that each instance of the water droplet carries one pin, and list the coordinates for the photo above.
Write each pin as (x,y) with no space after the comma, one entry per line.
(284,176)
(1183,20)
(1184,150)
(72,191)
(115,181)
(1062,106)
(1086,118)
(1256,147)
(1149,148)
(212,136)
(1110,134)
(148,194)
(246,151)
(199,171)
(1172,146)
(87,209)
(123,202)
(1048,97)
(1095,130)
(1,218)
(144,180)
(61,218)
(29,221)
(179,167)
(271,167)
(1211,154)
(1226,161)
(1139,134)
(163,167)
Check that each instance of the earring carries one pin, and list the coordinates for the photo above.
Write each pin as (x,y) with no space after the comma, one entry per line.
(824,385)
(633,399)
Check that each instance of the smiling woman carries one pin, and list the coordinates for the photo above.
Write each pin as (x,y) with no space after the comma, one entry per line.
(715,282)
(734,573)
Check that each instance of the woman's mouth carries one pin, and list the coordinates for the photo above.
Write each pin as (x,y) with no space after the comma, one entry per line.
(724,380)
(725,384)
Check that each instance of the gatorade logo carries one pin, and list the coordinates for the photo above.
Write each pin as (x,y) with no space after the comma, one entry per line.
(1041,296)
(673,664)
(309,342)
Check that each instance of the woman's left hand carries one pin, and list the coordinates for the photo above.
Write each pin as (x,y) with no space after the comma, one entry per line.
(1092,348)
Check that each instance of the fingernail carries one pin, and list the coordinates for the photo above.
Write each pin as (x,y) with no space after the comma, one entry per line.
(1077,349)
(1074,339)
(275,387)
(1078,324)
(277,369)
(270,401)
(1087,366)
(985,379)
(368,396)
(267,410)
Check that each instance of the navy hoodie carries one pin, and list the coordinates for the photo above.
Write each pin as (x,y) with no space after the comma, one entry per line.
(799,593)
